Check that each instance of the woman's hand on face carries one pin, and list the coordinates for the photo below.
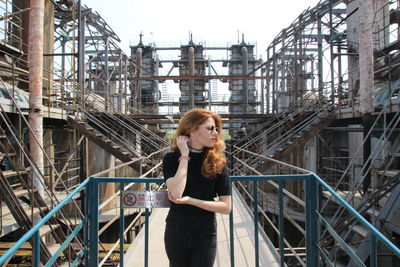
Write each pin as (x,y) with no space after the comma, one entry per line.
(182,143)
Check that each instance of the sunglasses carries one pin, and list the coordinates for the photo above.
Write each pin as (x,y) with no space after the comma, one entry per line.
(212,128)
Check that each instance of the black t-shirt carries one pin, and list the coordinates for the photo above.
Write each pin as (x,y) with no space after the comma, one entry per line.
(197,186)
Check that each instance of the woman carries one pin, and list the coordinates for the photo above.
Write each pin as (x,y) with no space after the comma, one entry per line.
(195,173)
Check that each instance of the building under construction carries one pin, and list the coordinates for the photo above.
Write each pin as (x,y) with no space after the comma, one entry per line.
(325,103)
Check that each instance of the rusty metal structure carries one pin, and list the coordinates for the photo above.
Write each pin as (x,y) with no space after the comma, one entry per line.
(312,103)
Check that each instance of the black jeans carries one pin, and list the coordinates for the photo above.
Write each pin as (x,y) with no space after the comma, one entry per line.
(188,248)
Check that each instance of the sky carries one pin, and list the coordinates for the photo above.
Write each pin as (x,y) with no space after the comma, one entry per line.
(211,22)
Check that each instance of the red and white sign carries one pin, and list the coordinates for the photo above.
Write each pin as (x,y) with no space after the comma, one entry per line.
(145,199)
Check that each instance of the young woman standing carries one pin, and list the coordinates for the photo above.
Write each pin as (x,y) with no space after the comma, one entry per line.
(198,185)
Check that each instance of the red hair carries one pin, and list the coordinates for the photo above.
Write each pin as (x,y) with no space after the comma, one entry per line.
(214,159)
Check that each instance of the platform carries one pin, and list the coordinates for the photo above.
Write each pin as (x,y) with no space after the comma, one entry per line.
(243,241)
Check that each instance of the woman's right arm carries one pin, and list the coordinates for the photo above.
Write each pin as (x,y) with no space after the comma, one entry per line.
(176,184)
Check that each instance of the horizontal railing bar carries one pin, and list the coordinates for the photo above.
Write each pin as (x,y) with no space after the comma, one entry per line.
(286,177)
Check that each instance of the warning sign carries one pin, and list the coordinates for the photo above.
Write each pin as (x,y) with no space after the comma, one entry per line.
(145,199)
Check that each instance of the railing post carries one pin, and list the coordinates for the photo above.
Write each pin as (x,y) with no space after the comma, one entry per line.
(231,232)
(121,226)
(94,223)
(311,221)
(146,233)
(36,249)
(372,256)
(281,225)
(255,208)
(86,229)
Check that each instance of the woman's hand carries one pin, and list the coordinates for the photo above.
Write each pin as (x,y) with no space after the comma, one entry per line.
(183,200)
(182,143)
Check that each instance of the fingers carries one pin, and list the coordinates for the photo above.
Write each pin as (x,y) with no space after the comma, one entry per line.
(182,143)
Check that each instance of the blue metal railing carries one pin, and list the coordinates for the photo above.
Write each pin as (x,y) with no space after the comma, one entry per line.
(314,221)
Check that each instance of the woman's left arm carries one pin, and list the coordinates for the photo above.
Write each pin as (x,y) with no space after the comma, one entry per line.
(223,205)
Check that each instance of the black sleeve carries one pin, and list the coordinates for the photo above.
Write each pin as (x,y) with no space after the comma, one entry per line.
(170,165)
(224,185)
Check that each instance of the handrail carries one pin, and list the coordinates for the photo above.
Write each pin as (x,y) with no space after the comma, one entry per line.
(311,180)
(370,227)
(37,226)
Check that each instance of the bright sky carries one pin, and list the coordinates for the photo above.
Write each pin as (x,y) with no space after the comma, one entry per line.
(212,22)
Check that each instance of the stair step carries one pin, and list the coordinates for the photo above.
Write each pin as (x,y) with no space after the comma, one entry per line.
(22,192)
(117,147)
(125,153)
(395,154)
(98,134)
(2,136)
(29,211)
(89,128)
(11,173)
(107,141)
(11,154)
(361,230)
(389,173)
(45,229)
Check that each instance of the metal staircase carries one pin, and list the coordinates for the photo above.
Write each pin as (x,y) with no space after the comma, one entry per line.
(23,200)
(115,132)
(281,134)
(380,204)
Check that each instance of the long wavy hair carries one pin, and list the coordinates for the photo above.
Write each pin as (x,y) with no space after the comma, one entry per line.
(214,159)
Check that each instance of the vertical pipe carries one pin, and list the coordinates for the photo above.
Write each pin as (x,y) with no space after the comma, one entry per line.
(120,92)
(366,58)
(275,81)
(245,70)
(107,89)
(139,55)
(331,52)
(157,94)
(191,73)
(126,83)
(209,83)
(320,61)
(81,52)
(282,93)
(63,42)
(295,80)
(263,70)
(35,54)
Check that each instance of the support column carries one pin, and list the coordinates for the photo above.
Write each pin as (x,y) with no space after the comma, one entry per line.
(191,73)
(366,14)
(35,57)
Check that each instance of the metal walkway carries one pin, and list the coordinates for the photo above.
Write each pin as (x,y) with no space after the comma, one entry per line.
(243,242)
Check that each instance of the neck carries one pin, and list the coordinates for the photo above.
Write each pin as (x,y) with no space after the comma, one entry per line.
(195,149)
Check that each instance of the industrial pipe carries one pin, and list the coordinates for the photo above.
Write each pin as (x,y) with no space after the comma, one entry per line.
(35,57)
